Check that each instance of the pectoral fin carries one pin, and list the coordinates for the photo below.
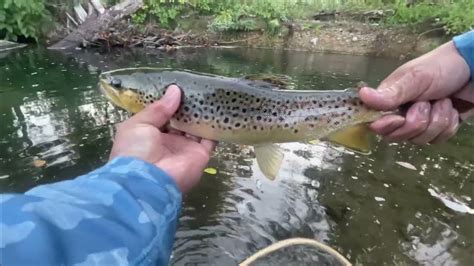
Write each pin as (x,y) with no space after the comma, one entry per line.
(355,138)
(269,159)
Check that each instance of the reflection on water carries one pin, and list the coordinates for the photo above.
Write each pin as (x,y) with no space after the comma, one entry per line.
(370,208)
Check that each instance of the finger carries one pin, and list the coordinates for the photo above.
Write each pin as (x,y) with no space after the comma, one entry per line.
(387,124)
(416,122)
(440,119)
(192,137)
(389,96)
(451,130)
(208,145)
(160,112)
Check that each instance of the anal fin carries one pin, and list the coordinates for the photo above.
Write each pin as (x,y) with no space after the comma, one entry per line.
(269,159)
(355,138)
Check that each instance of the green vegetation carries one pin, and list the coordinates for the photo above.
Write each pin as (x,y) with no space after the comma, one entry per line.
(28,18)
(24,18)
(456,17)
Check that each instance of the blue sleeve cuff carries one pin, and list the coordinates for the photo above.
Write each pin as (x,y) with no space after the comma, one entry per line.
(465,45)
(125,212)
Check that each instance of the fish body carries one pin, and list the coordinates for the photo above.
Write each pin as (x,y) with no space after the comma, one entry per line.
(243,111)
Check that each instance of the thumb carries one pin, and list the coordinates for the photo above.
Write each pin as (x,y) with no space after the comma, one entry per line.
(161,111)
(390,95)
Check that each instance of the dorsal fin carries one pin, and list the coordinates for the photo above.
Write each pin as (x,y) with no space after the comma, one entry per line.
(268,80)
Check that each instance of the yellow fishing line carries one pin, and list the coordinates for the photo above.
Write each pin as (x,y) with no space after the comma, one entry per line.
(292,242)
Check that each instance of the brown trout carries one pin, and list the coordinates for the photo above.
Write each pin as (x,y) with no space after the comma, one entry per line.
(246,111)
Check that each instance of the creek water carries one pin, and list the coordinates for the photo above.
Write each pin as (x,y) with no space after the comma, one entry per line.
(403,204)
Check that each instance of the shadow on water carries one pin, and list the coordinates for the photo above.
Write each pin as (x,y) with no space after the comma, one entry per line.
(374,209)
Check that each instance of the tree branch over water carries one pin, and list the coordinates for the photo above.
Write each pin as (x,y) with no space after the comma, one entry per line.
(96,23)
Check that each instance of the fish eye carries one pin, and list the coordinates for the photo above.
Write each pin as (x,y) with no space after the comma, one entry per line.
(116,82)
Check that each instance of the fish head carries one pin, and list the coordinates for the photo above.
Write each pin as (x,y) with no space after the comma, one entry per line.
(130,89)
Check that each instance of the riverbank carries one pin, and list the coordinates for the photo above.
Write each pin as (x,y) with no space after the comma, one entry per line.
(349,33)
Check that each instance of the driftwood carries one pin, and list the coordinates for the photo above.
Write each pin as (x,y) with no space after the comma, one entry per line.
(6,45)
(96,23)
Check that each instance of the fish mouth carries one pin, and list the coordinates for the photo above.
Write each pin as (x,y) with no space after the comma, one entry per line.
(110,92)
(126,99)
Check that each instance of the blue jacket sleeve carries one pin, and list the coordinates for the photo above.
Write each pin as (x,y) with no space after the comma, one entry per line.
(465,45)
(123,213)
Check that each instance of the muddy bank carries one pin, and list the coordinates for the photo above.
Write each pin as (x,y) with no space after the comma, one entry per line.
(347,37)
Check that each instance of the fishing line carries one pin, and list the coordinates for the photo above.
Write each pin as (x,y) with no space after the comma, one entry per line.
(292,242)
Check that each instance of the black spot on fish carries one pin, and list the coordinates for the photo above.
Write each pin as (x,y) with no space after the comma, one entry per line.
(275,113)
(259,118)
(201,102)
(296,131)
(218,108)
(286,125)
(244,110)
(255,127)
(237,125)
(226,120)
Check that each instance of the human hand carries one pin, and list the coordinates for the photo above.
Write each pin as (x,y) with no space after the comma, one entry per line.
(428,81)
(181,156)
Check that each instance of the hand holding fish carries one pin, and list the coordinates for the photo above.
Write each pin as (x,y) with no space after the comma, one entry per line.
(143,136)
(432,82)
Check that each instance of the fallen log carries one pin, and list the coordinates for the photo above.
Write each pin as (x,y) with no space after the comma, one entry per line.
(91,29)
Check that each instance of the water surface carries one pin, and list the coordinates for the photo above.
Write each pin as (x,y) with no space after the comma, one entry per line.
(374,209)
